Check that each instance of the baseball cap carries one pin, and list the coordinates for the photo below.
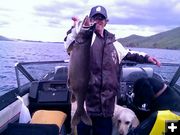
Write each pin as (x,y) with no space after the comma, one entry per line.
(98,10)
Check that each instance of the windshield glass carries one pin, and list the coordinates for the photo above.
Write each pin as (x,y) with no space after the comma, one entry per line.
(28,72)
(166,71)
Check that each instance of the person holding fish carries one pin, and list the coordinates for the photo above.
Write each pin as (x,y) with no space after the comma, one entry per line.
(102,56)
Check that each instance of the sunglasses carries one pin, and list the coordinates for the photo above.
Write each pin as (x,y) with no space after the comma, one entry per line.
(98,17)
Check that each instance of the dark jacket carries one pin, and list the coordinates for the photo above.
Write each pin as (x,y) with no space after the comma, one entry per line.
(105,56)
(104,74)
(104,71)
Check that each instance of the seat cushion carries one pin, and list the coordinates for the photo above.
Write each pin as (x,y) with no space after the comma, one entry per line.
(49,117)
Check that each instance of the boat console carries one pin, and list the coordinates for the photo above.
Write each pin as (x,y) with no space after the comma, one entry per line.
(127,78)
(52,94)
(51,99)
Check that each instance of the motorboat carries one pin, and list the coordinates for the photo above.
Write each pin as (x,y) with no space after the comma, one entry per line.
(43,86)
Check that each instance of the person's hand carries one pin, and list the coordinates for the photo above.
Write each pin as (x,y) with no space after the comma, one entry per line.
(75,20)
(154,61)
(76,26)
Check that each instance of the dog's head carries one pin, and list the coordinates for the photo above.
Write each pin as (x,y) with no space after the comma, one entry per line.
(145,90)
(124,120)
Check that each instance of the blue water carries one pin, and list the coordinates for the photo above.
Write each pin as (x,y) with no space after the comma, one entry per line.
(12,52)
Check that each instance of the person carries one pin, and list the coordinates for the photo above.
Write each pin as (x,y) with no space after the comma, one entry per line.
(106,53)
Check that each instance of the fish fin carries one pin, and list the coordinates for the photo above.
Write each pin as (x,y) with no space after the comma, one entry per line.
(68,82)
(81,117)
(73,98)
(73,131)
(86,119)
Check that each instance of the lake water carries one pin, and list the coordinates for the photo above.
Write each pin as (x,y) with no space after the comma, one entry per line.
(12,52)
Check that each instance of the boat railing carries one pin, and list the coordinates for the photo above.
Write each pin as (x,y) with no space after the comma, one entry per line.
(26,70)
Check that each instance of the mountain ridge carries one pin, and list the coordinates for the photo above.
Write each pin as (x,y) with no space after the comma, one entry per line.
(166,40)
(2,38)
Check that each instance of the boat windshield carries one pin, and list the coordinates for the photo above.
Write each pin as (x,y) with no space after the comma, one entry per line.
(167,71)
(30,71)
(26,72)
(176,80)
(177,84)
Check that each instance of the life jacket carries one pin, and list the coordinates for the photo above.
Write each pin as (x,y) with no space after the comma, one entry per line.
(162,116)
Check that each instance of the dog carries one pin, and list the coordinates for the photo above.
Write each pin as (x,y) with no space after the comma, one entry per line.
(123,119)
(152,95)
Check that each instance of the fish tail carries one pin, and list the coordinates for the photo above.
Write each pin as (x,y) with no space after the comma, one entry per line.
(86,119)
(81,117)
(76,119)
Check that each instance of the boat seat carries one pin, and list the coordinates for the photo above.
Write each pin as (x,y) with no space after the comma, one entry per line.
(43,122)
(60,73)
(128,76)
(131,74)
(49,117)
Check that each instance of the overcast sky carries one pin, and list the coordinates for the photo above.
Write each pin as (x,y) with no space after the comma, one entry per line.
(48,20)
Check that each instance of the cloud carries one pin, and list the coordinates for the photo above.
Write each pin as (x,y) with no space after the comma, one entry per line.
(177,8)
(50,19)
(147,13)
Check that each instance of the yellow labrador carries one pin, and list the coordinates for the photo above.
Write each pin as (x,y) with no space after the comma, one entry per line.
(123,119)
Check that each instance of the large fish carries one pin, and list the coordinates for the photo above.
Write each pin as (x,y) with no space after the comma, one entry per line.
(78,72)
